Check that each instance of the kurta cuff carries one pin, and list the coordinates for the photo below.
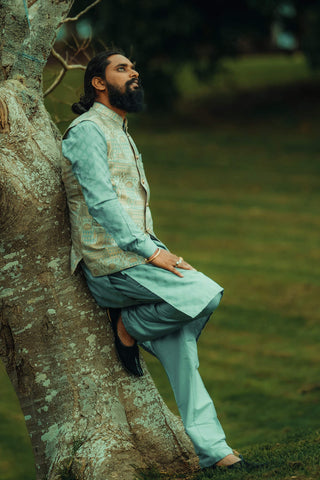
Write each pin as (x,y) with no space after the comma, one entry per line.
(147,248)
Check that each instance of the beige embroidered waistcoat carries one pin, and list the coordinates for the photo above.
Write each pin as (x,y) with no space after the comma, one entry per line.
(90,241)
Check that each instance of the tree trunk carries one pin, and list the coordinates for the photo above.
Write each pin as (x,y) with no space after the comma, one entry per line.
(84,414)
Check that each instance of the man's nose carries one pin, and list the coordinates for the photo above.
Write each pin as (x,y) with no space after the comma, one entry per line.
(134,73)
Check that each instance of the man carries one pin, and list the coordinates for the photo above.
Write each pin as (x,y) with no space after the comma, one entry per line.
(154,297)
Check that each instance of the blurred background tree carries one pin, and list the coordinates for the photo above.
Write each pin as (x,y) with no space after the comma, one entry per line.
(165,35)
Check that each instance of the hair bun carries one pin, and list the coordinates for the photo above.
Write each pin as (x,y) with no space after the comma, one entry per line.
(79,108)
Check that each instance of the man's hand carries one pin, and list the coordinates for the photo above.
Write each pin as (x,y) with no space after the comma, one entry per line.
(169,261)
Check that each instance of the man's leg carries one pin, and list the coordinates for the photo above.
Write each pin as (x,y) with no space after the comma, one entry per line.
(171,336)
(178,354)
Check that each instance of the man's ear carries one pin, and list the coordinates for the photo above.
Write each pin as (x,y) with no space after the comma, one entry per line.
(98,83)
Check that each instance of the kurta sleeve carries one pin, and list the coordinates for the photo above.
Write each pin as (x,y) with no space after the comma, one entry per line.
(86,148)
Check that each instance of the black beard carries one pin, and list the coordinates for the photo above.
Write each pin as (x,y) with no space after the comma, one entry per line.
(129,101)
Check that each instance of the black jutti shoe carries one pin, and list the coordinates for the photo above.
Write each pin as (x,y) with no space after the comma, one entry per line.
(241,465)
(128,356)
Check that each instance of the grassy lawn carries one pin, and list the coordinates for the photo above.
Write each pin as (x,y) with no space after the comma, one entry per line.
(235,191)
(250,220)
(252,72)
(295,457)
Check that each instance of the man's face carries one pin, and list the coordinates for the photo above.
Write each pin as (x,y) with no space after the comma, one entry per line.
(123,85)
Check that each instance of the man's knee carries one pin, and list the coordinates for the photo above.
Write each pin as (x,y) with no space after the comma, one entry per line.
(212,305)
(170,312)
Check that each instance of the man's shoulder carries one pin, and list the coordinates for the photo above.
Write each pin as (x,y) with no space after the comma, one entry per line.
(89,116)
(86,121)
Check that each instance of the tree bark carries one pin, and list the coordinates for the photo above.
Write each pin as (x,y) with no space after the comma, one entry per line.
(84,414)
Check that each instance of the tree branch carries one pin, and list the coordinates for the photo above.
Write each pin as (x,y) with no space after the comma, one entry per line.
(63,62)
(65,68)
(56,82)
(74,19)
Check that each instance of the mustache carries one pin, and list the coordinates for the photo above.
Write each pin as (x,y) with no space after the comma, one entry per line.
(134,80)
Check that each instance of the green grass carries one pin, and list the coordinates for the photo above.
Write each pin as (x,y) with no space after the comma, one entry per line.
(251,72)
(235,179)
(296,456)
(16,461)
(245,212)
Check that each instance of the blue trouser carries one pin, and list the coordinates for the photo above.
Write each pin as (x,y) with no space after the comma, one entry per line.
(172,337)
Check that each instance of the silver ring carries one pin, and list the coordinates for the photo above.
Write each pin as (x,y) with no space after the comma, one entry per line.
(180,260)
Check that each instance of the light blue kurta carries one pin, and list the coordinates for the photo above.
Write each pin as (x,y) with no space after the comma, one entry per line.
(172,289)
